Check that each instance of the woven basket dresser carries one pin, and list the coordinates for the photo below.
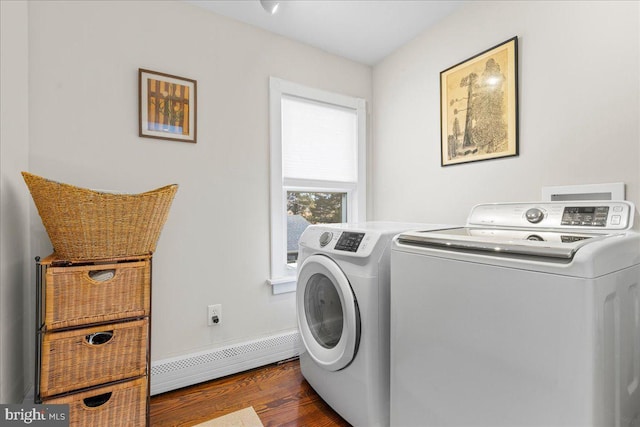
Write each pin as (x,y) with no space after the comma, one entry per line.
(93,339)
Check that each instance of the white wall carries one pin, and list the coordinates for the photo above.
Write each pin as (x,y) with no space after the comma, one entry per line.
(83,130)
(579,106)
(16,322)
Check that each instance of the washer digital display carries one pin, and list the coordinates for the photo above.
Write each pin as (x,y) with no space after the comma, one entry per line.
(349,241)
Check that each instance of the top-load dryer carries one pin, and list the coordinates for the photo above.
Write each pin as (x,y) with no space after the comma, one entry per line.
(528,316)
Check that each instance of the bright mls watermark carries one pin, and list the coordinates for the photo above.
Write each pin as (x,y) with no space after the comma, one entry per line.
(34,415)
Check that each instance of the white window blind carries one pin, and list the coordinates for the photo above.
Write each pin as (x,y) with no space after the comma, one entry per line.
(318,168)
(319,141)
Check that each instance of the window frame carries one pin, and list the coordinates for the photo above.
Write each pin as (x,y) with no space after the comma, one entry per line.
(283,276)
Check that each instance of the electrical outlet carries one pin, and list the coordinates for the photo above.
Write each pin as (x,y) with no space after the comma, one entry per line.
(214,316)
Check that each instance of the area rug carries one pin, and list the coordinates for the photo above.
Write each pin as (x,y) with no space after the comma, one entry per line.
(246,417)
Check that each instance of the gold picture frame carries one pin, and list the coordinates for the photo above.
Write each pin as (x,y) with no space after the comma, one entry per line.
(167,106)
(479,106)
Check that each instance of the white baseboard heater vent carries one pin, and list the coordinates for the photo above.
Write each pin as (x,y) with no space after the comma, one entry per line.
(174,373)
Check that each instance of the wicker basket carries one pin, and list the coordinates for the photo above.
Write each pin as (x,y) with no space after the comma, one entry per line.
(116,405)
(71,360)
(75,296)
(87,225)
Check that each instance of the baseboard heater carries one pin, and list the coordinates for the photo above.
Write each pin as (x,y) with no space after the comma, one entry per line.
(190,369)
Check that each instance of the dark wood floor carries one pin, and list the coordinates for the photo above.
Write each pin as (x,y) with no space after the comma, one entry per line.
(278,393)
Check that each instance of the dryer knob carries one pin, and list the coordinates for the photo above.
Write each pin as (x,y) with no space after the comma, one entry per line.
(535,238)
(534,215)
(325,238)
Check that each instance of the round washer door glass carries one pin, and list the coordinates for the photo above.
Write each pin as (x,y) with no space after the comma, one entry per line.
(323,310)
(328,315)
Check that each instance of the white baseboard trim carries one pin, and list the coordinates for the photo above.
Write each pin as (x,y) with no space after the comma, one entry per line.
(190,369)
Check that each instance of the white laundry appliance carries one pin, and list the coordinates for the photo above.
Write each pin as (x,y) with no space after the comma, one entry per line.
(343,316)
(528,316)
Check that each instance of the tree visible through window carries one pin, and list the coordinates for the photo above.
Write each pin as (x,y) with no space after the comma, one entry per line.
(317,208)
(311,208)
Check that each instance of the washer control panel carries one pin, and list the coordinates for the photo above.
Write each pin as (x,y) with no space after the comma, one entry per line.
(358,243)
(597,215)
(349,241)
(325,238)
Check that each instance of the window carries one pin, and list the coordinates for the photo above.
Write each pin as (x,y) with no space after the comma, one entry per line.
(317,168)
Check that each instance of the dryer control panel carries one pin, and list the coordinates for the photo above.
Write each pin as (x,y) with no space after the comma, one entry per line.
(582,215)
(595,216)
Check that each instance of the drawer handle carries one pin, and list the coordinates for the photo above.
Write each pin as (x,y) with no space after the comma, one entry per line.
(102,275)
(95,401)
(99,338)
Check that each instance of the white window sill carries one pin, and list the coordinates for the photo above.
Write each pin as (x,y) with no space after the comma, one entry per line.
(283,285)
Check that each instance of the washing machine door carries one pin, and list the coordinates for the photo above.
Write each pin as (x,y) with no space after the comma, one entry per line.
(328,315)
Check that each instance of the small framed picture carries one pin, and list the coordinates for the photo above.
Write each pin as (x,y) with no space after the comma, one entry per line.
(479,106)
(167,106)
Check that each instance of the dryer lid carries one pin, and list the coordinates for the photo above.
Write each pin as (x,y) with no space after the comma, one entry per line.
(555,230)
(548,244)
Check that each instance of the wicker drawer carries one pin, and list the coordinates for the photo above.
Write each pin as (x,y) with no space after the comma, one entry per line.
(123,404)
(79,358)
(96,293)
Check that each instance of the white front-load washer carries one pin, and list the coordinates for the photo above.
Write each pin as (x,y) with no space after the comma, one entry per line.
(528,316)
(343,316)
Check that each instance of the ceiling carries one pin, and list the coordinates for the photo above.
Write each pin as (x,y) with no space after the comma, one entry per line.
(365,31)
